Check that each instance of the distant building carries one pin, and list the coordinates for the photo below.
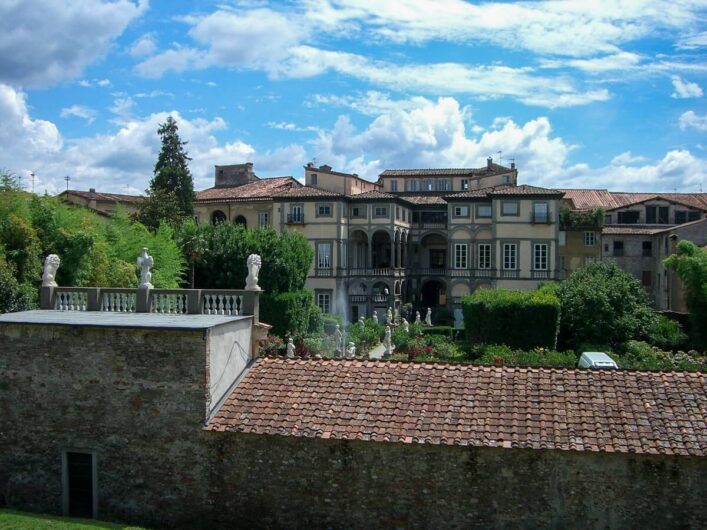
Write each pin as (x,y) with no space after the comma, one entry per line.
(103,203)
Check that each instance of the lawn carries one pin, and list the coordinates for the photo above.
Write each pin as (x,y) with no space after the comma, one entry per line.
(12,519)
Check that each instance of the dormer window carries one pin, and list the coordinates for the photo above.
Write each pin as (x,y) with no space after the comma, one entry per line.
(314,179)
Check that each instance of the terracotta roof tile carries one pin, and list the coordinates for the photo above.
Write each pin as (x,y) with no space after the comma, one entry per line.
(262,189)
(108,197)
(303,192)
(584,199)
(523,189)
(372,195)
(630,230)
(440,172)
(539,408)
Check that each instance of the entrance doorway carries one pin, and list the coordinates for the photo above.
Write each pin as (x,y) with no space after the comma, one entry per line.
(79,484)
(434,293)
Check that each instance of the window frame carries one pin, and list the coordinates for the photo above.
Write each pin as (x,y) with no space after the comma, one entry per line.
(489,206)
(376,215)
(320,255)
(461,215)
(646,249)
(484,251)
(461,259)
(261,214)
(514,255)
(394,185)
(546,257)
(464,184)
(321,205)
(509,203)
(593,238)
(536,218)
(319,295)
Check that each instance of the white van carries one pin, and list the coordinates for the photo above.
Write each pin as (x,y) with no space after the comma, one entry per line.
(598,360)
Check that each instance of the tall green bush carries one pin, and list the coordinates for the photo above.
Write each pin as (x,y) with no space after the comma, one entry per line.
(515,318)
(289,312)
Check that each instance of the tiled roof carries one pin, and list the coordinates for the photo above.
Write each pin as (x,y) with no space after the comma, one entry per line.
(441,172)
(584,199)
(523,189)
(304,192)
(108,197)
(423,199)
(455,404)
(630,230)
(262,189)
(371,195)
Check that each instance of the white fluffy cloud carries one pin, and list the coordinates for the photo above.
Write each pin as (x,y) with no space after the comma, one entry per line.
(144,46)
(43,42)
(79,111)
(685,89)
(437,134)
(690,120)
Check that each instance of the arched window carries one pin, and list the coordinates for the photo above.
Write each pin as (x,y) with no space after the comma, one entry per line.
(218,217)
(240,220)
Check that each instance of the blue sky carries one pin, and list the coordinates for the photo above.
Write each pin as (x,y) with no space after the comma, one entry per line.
(607,94)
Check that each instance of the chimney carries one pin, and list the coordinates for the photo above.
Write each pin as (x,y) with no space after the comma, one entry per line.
(92,191)
(513,165)
(489,161)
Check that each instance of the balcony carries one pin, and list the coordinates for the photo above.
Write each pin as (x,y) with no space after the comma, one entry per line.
(430,271)
(484,273)
(295,219)
(540,275)
(430,226)
(509,274)
(323,273)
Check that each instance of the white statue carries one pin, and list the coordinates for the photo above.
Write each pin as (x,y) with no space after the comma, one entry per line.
(290,349)
(389,346)
(375,316)
(351,351)
(361,322)
(428,317)
(51,264)
(386,291)
(339,340)
(145,262)
(406,325)
(251,281)
(417,317)
(389,317)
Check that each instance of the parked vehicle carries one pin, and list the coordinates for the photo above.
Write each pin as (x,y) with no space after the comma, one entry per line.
(597,360)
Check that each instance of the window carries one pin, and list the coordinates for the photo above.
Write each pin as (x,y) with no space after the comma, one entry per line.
(323,210)
(647,278)
(628,218)
(358,211)
(540,256)
(510,256)
(79,484)
(393,185)
(506,179)
(465,184)
(618,248)
(680,217)
(483,211)
(437,258)
(650,214)
(443,185)
(380,211)
(324,302)
(296,213)
(663,212)
(429,185)
(314,179)
(263,219)
(324,255)
(647,247)
(607,219)
(590,239)
(484,251)
(693,216)
(509,208)
(461,211)
(460,256)
(541,212)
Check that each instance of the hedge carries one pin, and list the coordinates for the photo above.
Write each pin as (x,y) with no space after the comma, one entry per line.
(446,331)
(518,319)
(288,312)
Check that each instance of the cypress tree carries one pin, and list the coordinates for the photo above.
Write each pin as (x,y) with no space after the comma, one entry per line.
(171,170)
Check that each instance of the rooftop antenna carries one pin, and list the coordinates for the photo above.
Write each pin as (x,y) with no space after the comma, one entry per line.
(19,179)
(500,158)
(31,175)
(67,178)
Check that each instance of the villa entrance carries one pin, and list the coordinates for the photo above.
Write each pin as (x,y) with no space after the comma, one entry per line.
(434,293)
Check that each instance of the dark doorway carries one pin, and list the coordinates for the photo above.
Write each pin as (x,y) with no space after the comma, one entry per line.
(354,313)
(433,294)
(240,220)
(218,217)
(79,484)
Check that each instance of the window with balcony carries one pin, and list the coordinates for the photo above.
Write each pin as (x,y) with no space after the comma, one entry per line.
(647,248)
(484,256)
(461,211)
(510,208)
(541,212)
(510,256)
(461,256)
(324,255)
(540,256)
(483,211)
(590,239)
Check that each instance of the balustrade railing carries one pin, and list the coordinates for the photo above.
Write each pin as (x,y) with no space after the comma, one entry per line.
(71,299)
(114,300)
(222,303)
(169,302)
(540,275)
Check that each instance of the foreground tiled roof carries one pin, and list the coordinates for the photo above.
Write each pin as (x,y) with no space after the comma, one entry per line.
(423,199)
(371,195)
(453,404)
(523,189)
(108,197)
(441,172)
(584,199)
(262,189)
(303,192)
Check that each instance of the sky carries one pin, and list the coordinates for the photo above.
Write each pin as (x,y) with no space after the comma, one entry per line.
(590,93)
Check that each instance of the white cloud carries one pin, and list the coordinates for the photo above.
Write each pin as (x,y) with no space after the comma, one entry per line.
(685,89)
(626,158)
(123,107)
(80,111)
(691,42)
(620,61)
(691,120)
(289,126)
(43,42)
(143,46)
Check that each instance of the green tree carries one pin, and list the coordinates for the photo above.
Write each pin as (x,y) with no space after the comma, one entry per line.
(691,265)
(192,241)
(172,170)
(8,181)
(160,206)
(602,304)
(14,296)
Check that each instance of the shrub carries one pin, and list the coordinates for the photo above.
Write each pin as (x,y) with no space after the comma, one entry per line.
(14,296)
(640,355)
(502,355)
(272,345)
(288,312)
(667,334)
(518,319)
(368,337)
(446,331)
(603,304)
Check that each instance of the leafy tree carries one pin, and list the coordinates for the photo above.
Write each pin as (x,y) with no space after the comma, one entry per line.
(171,170)
(691,265)
(14,296)
(602,304)
(192,241)
(159,206)
(8,181)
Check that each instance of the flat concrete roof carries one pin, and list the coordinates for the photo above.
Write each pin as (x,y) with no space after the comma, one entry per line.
(48,317)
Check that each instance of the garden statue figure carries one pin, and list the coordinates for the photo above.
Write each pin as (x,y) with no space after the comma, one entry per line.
(375,316)
(251,281)
(406,325)
(145,262)
(339,341)
(389,346)
(290,349)
(428,317)
(417,317)
(361,322)
(51,264)
(351,351)
(389,317)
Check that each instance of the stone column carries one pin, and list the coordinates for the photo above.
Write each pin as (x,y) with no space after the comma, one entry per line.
(392,252)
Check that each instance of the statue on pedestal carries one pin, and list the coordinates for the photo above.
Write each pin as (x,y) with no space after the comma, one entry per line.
(145,262)
(387,342)
(290,349)
(417,317)
(406,326)
(251,281)
(375,316)
(351,351)
(361,322)
(51,265)
(389,317)
(428,317)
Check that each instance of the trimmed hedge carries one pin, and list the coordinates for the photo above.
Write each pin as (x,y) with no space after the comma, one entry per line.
(446,331)
(518,319)
(289,312)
